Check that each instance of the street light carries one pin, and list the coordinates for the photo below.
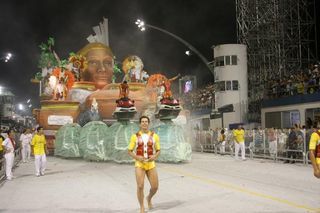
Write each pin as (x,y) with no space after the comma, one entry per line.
(21,107)
(142,26)
(7,57)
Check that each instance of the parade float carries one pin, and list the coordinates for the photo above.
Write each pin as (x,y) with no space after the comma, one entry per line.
(90,107)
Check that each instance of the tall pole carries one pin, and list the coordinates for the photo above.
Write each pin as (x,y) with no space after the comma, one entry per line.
(203,59)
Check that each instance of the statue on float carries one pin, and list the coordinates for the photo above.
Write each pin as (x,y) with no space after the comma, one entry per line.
(167,107)
(89,115)
(133,69)
(125,109)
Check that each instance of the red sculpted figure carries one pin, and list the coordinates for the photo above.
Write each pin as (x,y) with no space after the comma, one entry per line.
(166,84)
(124,90)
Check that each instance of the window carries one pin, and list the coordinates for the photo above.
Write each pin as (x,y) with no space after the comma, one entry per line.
(217,61)
(205,124)
(221,60)
(235,85)
(234,60)
(221,86)
(228,85)
(228,60)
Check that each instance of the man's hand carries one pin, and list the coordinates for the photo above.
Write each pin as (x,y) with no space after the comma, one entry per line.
(151,158)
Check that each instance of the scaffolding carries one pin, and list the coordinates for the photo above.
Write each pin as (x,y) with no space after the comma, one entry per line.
(281,39)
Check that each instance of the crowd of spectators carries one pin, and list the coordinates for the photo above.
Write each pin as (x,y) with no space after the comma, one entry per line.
(298,83)
(201,98)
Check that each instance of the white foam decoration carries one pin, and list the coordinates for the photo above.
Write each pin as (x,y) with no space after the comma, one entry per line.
(101,33)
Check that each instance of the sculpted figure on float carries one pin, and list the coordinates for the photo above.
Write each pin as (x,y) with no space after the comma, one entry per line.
(94,65)
(99,69)
(133,69)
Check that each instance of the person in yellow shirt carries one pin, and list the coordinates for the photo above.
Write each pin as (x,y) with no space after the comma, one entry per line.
(222,141)
(39,148)
(1,148)
(314,148)
(238,135)
(144,147)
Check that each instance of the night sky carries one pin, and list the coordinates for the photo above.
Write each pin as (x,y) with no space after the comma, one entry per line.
(25,24)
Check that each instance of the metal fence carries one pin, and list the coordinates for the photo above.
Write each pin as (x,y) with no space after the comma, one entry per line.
(262,143)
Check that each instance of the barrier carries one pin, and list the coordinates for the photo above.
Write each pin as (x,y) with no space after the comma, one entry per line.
(261,143)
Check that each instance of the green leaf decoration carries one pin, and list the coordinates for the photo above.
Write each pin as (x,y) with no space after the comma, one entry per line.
(51,42)
(47,58)
(72,54)
(38,76)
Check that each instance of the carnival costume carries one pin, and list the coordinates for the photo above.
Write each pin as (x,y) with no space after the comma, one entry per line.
(145,145)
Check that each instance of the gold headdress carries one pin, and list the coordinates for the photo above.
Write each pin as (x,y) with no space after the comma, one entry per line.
(94,46)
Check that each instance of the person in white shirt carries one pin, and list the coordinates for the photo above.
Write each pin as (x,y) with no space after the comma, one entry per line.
(25,140)
(9,145)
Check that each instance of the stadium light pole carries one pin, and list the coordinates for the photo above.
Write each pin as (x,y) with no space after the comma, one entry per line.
(7,57)
(142,26)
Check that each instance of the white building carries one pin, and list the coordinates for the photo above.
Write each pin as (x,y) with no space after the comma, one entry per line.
(6,103)
(231,79)
(6,107)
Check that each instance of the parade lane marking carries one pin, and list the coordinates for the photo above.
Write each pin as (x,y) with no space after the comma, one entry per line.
(240,189)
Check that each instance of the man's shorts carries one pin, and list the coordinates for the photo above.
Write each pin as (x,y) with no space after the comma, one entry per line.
(145,165)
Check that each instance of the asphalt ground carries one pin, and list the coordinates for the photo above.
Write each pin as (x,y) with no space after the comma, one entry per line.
(209,183)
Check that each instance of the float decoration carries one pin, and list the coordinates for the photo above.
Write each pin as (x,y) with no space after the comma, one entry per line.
(125,109)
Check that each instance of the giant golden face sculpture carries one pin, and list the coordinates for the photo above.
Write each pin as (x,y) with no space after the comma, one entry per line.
(100,64)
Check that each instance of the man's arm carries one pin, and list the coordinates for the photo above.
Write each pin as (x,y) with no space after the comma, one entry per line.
(155,156)
(316,169)
(46,149)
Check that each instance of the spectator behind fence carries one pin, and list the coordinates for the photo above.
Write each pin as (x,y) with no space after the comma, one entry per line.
(292,145)
(222,141)
(272,138)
